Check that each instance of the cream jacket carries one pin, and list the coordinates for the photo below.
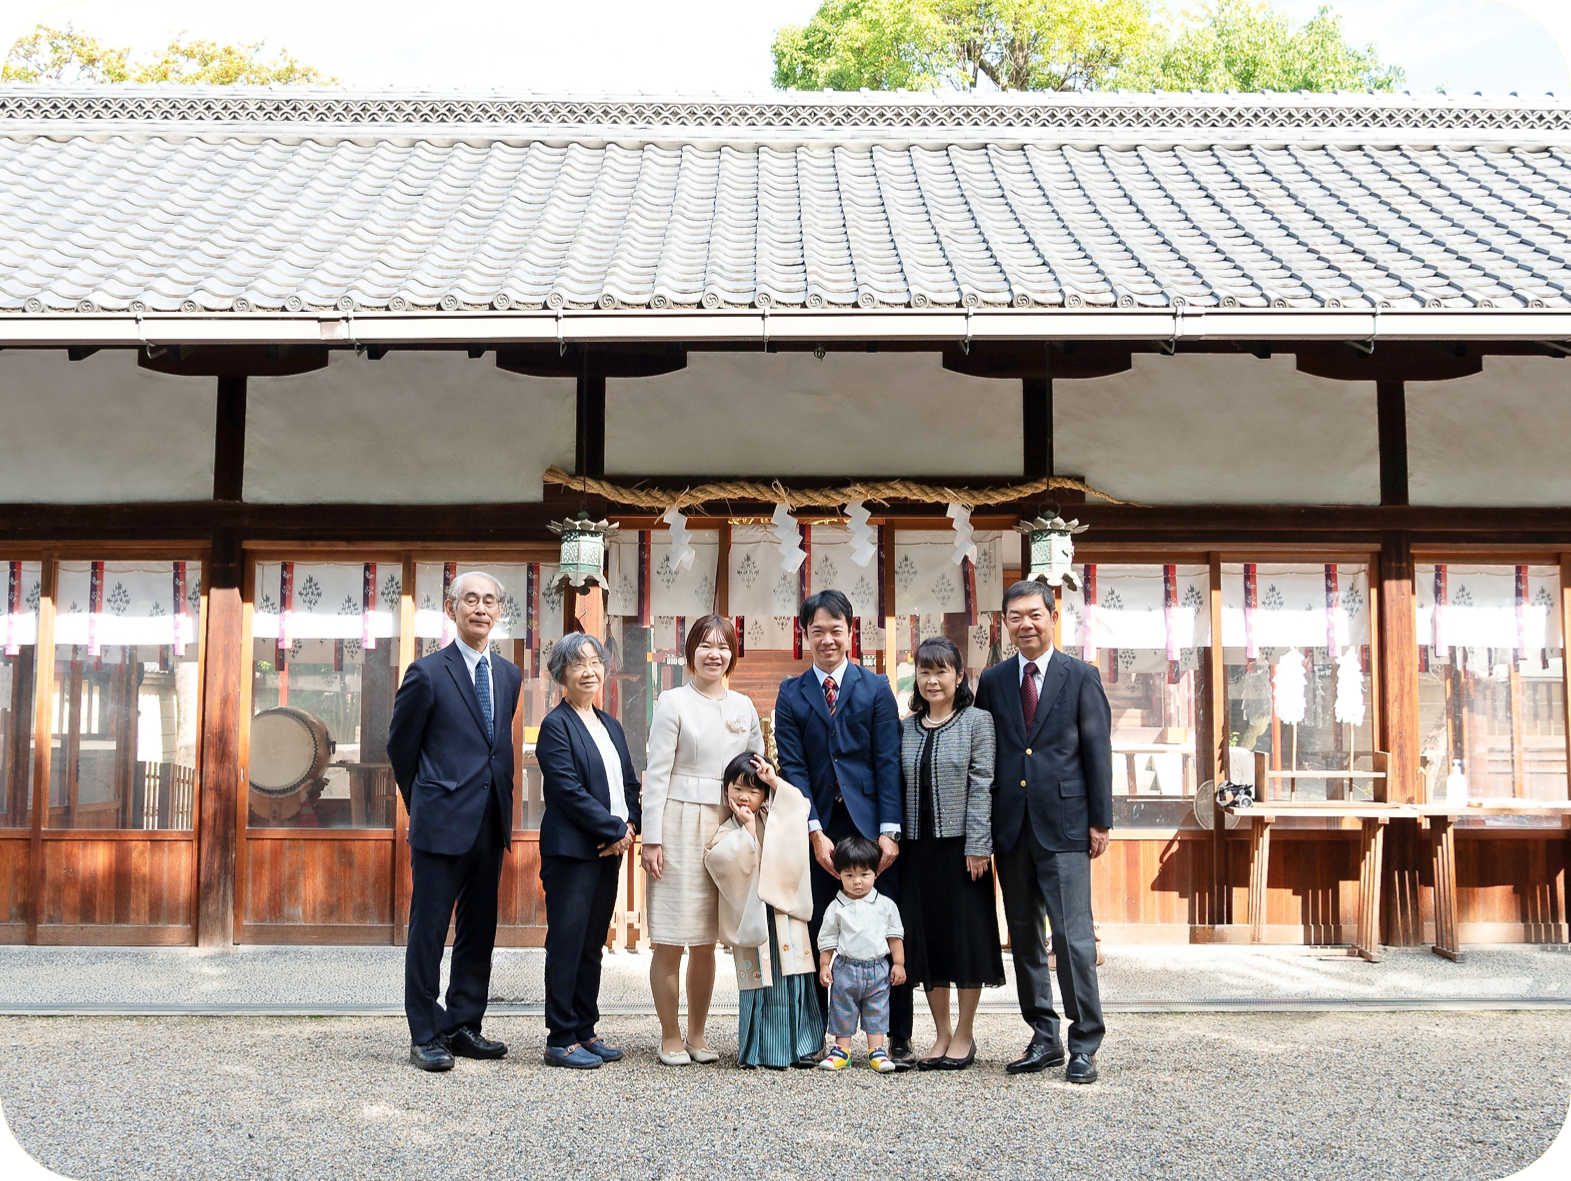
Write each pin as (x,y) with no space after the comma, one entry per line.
(751,879)
(691,739)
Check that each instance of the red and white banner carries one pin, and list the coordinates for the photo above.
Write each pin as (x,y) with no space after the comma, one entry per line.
(180,607)
(13,608)
(286,606)
(368,607)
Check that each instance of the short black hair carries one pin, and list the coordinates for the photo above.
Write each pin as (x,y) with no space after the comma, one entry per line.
(857,853)
(1031,586)
(940,652)
(741,770)
(832,601)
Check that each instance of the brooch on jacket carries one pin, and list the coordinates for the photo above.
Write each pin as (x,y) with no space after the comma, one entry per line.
(736,724)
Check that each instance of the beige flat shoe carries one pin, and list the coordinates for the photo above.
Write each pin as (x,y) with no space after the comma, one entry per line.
(700,1055)
(680,1058)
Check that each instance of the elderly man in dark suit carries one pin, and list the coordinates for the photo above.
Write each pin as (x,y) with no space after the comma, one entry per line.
(837,732)
(1052,811)
(451,746)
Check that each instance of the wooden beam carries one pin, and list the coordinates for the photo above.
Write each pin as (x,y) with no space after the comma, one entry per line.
(221,785)
(43,724)
(1565,664)
(1036,421)
(723,571)
(403,871)
(1219,746)
(589,455)
(1397,720)
(229,440)
(1391,420)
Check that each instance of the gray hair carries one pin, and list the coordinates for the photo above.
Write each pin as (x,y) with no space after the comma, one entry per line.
(453,588)
(569,650)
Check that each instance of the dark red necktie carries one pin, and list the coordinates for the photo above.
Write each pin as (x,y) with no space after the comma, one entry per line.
(829,694)
(1028,696)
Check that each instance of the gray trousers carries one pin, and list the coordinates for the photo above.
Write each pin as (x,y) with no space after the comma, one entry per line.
(1039,885)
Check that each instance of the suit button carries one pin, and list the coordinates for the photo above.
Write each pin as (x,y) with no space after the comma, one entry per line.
(1028,750)
(1022,783)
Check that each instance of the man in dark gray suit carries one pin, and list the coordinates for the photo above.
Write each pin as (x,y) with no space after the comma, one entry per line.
(1052,810)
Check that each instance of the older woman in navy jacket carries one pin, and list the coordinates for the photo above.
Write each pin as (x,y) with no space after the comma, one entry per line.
(591,815)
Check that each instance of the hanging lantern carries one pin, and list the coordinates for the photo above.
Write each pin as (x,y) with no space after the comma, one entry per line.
(1052,549)
(583,551)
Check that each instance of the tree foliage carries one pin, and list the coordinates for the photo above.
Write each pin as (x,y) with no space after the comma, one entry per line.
(64,55)
(1236,45)
(1070,45)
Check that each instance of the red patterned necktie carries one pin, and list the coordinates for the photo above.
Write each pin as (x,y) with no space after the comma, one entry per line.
(829,694)
(1028,696)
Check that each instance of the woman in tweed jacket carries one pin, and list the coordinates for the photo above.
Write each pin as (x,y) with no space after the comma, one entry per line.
(946,900)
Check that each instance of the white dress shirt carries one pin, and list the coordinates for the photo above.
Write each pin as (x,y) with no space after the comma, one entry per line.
(860,928)
(613,764)
(472,662)
(1041,668)
(839,675)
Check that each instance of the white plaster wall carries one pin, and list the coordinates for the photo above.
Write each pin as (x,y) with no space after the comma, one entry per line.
(1500,437)
(412,428)
(102,430)
(1219,429)
(790,414)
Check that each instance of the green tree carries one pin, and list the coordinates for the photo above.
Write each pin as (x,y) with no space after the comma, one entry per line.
(65,55)
(1070,44)
(1238,45)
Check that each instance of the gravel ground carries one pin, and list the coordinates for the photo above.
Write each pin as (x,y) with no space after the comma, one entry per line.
(1344,1095)
(333,980)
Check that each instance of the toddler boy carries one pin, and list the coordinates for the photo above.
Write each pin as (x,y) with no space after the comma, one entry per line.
(864,928)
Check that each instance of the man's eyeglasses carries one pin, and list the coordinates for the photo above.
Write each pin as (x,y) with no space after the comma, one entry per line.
(472,600)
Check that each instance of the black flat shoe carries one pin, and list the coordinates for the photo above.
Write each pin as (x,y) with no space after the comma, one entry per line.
(1082,1069)
(468,1042)
(433,1055)
(947,1063)
(936,1062)
(1038,1057)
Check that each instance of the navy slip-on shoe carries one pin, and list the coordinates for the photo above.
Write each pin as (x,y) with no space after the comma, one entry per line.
(601,1051)
(574,1057)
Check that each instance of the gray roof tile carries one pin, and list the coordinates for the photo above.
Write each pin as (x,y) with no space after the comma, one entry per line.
(266,199)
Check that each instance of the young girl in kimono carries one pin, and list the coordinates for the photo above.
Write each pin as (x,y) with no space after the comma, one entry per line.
(759,861)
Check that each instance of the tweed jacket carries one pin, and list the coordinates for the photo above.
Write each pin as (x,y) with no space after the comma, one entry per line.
(963,753)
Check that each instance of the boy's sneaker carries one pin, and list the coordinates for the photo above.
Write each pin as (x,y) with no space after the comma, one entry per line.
(881,1061)
(836,1059)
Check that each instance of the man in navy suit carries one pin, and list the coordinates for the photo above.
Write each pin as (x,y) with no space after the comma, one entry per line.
(837,733)
(1052,812)
(451,746)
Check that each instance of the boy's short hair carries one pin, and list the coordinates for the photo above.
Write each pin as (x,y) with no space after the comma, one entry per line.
(741,770)
(857,853)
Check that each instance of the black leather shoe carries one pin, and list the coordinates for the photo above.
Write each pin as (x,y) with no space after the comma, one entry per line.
(1038,1057)
(948,1063)
(1081,1069)
(434,1055)
(810,1061)
(901,1053)
(468,1042)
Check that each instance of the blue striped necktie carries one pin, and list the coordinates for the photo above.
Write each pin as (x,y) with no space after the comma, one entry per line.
(483,691)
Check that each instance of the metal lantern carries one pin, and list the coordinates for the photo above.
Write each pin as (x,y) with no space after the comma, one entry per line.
(1052,550)
(583,551)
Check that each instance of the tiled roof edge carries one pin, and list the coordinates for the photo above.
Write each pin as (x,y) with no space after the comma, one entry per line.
(1108,113)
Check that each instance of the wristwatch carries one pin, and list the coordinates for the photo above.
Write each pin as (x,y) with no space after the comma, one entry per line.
(894,835)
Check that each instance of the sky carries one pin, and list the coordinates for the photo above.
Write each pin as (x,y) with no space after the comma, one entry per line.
(692,46)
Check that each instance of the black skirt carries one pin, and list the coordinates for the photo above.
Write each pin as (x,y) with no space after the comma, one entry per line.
(951,922)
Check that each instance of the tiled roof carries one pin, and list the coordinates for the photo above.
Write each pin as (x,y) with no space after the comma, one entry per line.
(233,199)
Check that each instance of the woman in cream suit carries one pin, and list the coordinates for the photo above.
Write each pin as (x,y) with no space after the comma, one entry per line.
(697,729)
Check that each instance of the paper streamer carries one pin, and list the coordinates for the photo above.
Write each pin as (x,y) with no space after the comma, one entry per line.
(1288,682)
(864,538)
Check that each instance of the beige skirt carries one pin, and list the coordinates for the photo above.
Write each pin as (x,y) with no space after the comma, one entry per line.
(684,905)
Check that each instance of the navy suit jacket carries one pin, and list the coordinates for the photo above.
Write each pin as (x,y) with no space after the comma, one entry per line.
(442,760)
(858,749)
(578,819)
(1059,776)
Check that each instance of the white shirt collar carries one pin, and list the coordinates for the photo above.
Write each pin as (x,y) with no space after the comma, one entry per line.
(847,900)
(1040,662)
(471,657)
(839,674)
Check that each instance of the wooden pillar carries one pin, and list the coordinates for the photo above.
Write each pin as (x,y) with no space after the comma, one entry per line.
(43,720)
(229,440)
(1397,722)
(1217,747)
(403,872)
(221,785)
(1036,420)
(589,454)
(723,571)
(1391,420)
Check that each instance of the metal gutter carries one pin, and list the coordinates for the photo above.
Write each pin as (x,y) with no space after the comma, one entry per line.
(800,326)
